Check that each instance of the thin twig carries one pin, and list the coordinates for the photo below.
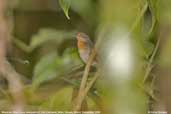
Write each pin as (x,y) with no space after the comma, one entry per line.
(22,45)
(138,19)
(15,85)
(149,93)
(150,66)
(91,83)
(81,92)
(87,88)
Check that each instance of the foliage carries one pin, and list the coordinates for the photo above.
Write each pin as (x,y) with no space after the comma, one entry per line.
(62,104)
(54,72)
(51,66)
(65,5)
(43,36)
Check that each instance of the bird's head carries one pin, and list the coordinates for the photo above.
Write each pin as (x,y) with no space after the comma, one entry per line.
(82,40)
(82,37)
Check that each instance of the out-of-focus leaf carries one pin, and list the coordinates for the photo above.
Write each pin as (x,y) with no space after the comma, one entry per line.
(32,98)
(52,66)
(46,69)
(86,9)
(65,5)
(59,101)
(91,104)
(43,36)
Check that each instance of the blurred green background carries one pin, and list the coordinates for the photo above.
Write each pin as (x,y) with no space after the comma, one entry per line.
(134,38)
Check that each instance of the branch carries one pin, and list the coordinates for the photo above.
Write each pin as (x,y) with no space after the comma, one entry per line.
(139,17)
(6,70)
(14,84)
(81,93)
(150,66)
(91,83)
(85,92)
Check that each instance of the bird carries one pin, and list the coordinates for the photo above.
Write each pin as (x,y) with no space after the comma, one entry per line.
(85,46)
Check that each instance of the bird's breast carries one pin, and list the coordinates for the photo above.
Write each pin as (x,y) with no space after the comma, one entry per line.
(84,54)
(81,44)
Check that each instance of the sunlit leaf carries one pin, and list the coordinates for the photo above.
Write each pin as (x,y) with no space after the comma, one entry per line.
(65,5)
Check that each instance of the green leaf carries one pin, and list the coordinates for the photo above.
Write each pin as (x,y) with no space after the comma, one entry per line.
(65,5)
(91,104)
(46,69)
(43,36)
(56,102)
(46,34)
(52,66)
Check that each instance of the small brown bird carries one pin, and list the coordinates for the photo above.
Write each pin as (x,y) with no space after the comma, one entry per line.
(85,46)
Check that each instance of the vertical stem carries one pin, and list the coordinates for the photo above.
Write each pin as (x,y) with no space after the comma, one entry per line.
(81,93)
(6,70)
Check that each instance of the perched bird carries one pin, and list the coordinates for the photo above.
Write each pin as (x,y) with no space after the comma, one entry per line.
(85,46)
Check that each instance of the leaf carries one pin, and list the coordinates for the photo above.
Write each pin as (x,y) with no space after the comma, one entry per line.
(56,102)
(65,5)
(43,36)
(52,66)
(46,69)
(91,104)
